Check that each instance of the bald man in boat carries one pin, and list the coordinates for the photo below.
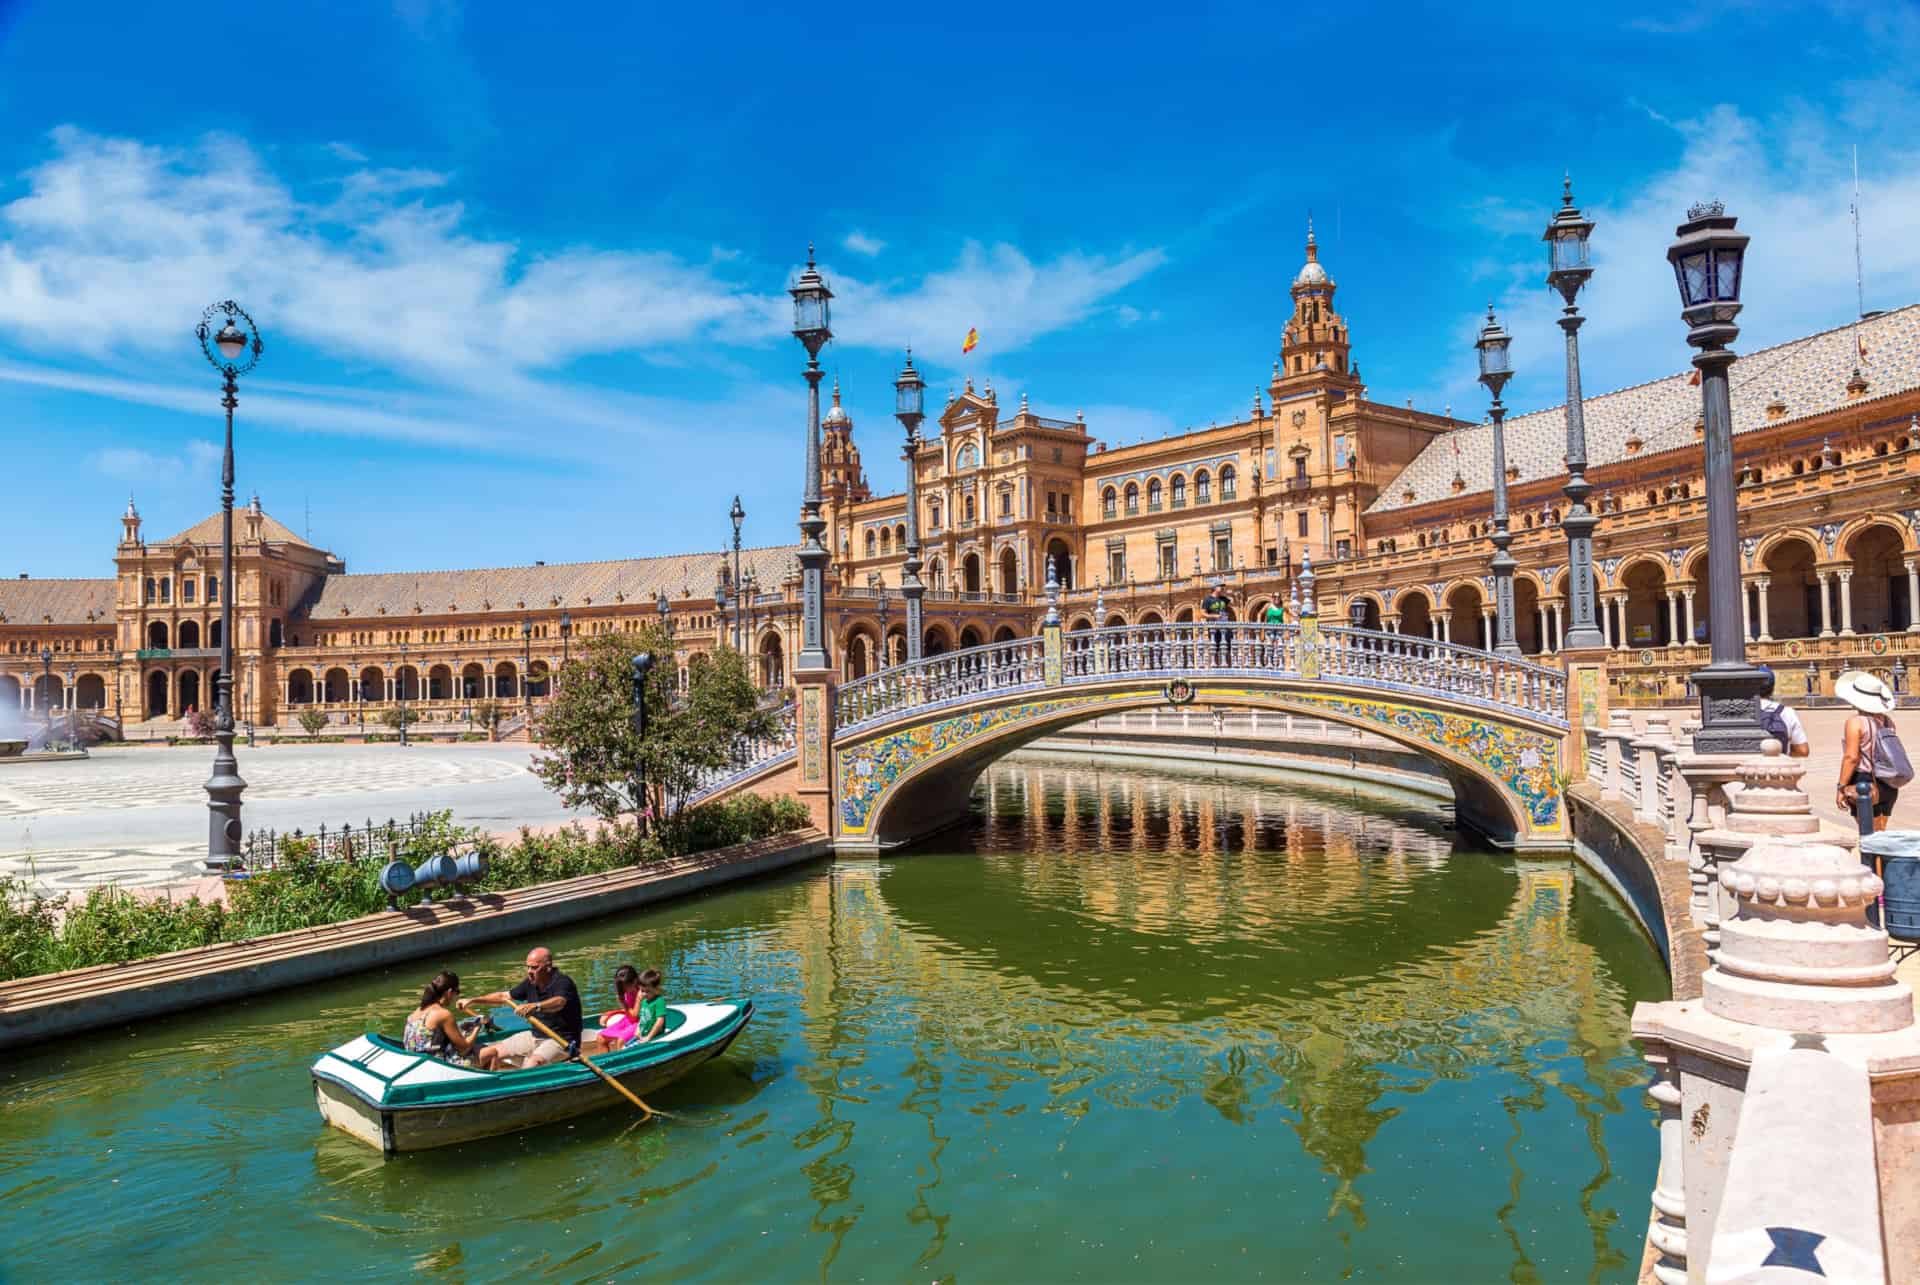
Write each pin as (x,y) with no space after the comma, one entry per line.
(546,992)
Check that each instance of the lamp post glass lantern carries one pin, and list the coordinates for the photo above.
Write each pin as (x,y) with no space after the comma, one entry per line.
(812,318)
(909,407)
(1568,267)
(1706,255)
(1495,370)
(232,349)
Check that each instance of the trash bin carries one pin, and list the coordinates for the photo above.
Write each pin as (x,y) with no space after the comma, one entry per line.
(1897,853)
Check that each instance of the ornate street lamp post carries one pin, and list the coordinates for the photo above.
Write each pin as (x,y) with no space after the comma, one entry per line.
(1706,255)
(880,591)
(526,671)
(1495,371)
(1567,270)
(402,685)
(738,515)
(46,686)
(566,632)
(233,351)
(811,326)
(909,407)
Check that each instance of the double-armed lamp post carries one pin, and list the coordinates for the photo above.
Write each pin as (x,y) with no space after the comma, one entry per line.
(739,516)
(1706,255)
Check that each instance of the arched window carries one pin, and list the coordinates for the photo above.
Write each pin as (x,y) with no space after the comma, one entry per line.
(1202,488)
(886,540)
(153,586)
(213,588)
(934,513)
(1133,498)
(967,458)
(870,539)
(166,589)
(1226,482)
(1153,495)
(1107,501)
(1179,489)
(969,518)
(900,535)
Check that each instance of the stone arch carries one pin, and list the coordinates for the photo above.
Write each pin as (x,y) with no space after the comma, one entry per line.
(1646,618)
(473,681)
(440,683)
(1772,539)
(970,573)
(1859,526)
(188,695)
(859,650)
(888,801)
(506,680)
(1787,560)
(1004,633)
(938,640)
(1878,583)
(1009,570)
(1115,620)
(371,684)
(772,651)
(300,687)
(406,680)
(970,636)
(1183,616)
(157,635)
(1416,612)
(1466,602)
(157,694)
(90,691)
(1151,618)
(1062,562)
(187,636)
(1079,624)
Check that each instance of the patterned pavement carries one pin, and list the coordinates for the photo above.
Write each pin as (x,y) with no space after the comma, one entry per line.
(138,818)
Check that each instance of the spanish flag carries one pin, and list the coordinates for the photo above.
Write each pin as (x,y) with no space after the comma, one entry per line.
(973,339)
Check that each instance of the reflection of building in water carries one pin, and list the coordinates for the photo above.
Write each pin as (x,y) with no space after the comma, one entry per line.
(1398,1000)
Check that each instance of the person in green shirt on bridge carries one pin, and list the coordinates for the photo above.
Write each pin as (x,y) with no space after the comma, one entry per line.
(1275,614)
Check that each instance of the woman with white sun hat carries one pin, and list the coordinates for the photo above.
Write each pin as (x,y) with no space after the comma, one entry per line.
(1873,762)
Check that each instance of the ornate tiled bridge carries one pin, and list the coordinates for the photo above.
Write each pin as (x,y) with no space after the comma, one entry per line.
(891,757)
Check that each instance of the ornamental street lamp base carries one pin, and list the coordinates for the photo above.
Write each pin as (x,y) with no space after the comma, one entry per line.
(224,788)
(1730,695)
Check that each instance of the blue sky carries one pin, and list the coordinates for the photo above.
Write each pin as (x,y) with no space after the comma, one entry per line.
(521,279)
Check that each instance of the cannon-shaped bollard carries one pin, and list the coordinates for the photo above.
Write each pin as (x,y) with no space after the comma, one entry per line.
(435,872)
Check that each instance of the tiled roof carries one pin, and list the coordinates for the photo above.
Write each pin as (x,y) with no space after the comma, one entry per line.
(499,589)
(67,602)
(1809,374)
(207,531)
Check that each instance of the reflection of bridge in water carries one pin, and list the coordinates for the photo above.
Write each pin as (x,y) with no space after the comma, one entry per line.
(893,756)
(1261,948)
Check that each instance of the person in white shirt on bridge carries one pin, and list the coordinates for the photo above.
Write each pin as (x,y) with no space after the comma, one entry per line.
(1782,723)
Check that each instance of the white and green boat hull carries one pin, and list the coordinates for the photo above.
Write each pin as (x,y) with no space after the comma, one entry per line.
(398,1101)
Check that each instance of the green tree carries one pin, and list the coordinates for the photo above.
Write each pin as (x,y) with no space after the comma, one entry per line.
(311,721)
(486,713)
(593,757)
(399,716)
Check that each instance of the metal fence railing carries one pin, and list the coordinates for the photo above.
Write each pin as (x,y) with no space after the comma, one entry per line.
(372,840)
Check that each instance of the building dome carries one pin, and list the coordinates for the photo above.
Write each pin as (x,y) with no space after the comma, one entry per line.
(837,416)
(1311,273)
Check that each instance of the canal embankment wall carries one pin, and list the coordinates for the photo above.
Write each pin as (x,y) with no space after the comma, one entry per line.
(56,1004)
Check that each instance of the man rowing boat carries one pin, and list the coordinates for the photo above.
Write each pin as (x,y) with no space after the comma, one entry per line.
(548,992)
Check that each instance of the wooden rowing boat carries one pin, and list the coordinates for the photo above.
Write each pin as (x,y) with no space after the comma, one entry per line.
(397,1101)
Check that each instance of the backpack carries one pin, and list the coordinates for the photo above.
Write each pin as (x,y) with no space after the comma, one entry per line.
(1891,766)
(1775,724)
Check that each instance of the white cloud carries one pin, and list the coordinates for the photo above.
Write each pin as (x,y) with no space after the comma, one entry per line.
(137,467)
(861,243)
(1789,180)
(1011,299)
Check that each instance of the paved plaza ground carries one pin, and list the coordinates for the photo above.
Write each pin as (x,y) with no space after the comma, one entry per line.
(138,816)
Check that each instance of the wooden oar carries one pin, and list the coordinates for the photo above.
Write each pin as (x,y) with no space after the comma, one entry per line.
(625,1092)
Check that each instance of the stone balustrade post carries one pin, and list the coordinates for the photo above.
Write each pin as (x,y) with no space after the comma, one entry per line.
(1786,1086)
(1619,736)
(1647,747)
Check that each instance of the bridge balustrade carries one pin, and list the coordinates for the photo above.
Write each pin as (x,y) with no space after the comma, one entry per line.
(1389,663)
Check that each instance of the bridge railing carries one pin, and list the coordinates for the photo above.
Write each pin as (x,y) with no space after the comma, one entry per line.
(750,755)
(1351,657)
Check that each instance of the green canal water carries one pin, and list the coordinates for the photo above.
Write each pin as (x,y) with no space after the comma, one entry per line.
(1130,1025)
